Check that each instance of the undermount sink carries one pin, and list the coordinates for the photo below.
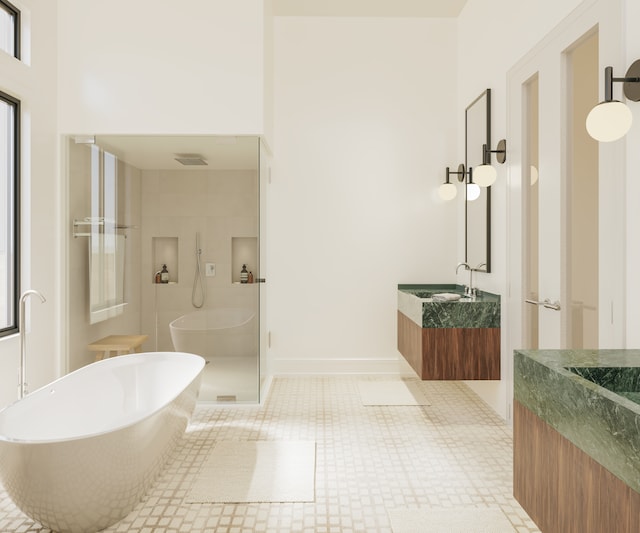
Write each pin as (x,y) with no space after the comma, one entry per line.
(423,294)
(623,381)
(428,295)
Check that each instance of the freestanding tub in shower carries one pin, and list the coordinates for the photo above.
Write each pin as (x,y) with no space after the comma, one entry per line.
(212,333)
(78,454)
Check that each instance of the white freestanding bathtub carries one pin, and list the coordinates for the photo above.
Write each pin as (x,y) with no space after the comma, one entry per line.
(78,454)
(214,333)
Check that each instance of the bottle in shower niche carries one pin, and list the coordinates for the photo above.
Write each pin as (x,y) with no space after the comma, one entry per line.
(250,277)
(164,274)
(244,274)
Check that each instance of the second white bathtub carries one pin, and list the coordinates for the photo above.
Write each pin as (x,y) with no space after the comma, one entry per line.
(216,333)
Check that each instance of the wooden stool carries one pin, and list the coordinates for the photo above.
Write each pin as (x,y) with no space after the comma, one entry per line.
(117,344)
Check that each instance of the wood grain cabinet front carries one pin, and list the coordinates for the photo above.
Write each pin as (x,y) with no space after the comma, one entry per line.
(450,353)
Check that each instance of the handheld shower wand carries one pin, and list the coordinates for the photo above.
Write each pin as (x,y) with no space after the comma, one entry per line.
(198,302)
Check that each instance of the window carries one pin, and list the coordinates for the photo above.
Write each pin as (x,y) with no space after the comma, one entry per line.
(9,29)
(9,213)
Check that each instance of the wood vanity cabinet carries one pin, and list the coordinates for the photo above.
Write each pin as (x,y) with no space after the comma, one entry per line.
(450,353)
(576,428)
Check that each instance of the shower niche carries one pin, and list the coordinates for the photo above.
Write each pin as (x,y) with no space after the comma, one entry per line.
(164,251)
(244,251)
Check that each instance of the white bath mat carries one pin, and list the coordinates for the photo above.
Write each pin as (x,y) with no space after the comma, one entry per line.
(393,392)
(458,520)
(257,471)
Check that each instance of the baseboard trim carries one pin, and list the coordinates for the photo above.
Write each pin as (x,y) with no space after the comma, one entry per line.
(340,366)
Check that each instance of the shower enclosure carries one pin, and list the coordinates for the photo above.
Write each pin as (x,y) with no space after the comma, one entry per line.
(193,206)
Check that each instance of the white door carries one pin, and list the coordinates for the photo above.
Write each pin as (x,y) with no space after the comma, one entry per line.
(564,238)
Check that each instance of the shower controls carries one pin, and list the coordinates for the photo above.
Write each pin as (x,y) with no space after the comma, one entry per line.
(209,269)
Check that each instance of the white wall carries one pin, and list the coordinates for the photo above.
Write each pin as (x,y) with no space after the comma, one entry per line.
(33,81)
(632,142)
(367,115)
(155,66)
(267,96)
(528,24)
(364,127)
(493,36)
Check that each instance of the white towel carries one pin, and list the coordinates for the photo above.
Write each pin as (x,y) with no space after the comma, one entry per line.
(106,276)
(446,297)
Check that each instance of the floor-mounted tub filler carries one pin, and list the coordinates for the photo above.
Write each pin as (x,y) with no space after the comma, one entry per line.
(78,454)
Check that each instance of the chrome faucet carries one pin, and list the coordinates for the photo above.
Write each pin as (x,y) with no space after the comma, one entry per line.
(468,291)
(474,291)
(22,385)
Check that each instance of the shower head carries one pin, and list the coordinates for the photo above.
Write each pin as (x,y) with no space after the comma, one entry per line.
(191,159)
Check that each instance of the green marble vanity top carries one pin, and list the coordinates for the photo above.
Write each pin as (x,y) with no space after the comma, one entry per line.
(591,398)
(416,302)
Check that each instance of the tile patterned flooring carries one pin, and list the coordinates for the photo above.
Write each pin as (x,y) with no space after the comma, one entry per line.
(454,453)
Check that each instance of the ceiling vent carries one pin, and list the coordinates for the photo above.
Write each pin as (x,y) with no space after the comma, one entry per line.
(191,160)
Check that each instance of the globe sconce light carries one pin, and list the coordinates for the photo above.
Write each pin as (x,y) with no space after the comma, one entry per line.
(485,175)
(447,190)
(611,119)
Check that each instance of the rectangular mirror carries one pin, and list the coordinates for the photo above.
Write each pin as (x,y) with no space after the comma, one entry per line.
(478,212)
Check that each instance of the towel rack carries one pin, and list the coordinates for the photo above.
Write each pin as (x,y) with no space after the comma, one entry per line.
(94,221)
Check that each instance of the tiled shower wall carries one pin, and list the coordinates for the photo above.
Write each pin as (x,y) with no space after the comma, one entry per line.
(178,204)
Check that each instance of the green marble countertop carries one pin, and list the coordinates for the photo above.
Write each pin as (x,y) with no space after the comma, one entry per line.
(589,397)
(415,302)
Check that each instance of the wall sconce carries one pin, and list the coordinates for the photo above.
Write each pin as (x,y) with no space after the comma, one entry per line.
(611,120)
(485,175)
(448,190)
(473,190)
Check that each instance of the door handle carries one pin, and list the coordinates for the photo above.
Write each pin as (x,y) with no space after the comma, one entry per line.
(546,303)
(261,280)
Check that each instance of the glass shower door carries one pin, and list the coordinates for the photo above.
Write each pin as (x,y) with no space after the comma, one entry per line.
(192,204)
(232,313)
(263,331)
